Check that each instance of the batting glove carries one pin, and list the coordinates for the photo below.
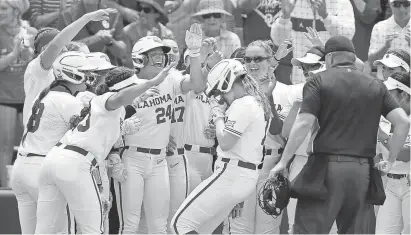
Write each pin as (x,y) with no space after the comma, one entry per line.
(119,143)
(194,40)
(209,131)
(217,109)
(85,97)
(118,171)
(131,125)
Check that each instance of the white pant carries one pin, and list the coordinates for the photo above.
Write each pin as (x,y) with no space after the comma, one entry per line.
(66,178)
(200,167)
(211,202)
(25,185)
(148,184)
(105,194)
(394,216)
(254,220)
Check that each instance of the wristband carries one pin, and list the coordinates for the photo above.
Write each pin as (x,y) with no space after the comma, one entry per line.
(194,52)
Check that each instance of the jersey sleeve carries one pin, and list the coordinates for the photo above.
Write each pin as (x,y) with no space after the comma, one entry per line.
(240,117)
(98,103)
(36,76)
(311,96)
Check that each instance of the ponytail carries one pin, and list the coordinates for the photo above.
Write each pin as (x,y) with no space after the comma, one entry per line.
(114,76)
(252,88)
(101,89)
(76,119)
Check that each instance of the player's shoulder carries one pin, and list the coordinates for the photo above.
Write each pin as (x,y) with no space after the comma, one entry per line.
(246,102)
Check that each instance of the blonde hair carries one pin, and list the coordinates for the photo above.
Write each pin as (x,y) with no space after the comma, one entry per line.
(252,88)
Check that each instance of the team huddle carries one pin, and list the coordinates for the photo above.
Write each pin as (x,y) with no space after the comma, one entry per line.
(154,131)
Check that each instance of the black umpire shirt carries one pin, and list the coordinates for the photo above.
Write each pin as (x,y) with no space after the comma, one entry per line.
(348,105)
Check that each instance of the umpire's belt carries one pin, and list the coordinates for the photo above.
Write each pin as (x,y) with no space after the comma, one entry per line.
(144,150)
(344,158)
(180,151)
(240,163)
(79,151)
(269,152)
(200,149)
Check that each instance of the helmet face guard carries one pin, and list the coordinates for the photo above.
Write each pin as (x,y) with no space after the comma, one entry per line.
(222,76)
(274,196)
(70,67)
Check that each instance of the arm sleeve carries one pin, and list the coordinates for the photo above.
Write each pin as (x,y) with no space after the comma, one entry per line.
(239,118)
(388,102)
(340,19)
(280,30)
(311,96)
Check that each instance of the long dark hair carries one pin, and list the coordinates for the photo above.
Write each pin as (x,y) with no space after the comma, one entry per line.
(114,76)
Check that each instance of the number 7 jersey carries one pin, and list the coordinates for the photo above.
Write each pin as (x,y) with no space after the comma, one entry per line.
(156,114)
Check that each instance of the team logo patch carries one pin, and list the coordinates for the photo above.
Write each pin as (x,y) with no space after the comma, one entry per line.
(230,124)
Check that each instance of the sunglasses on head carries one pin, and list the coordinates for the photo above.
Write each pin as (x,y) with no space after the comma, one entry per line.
(214,15)
(146,10)
(398,4)
(257,59)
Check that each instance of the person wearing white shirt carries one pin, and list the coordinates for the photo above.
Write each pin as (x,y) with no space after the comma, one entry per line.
(394,216)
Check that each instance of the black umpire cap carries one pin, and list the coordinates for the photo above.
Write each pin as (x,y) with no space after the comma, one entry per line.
(339,43)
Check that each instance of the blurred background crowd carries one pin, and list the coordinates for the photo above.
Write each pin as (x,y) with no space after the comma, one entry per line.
(375,26)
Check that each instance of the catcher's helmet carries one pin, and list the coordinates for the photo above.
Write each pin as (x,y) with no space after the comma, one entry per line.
(69,66)
(274,196)
(222,76)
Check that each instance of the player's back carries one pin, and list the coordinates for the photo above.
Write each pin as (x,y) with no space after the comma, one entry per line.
(156,114)
(196,119)
(51,122)
(99,130)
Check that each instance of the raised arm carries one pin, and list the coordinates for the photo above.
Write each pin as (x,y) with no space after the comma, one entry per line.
(54,48)
(338,18)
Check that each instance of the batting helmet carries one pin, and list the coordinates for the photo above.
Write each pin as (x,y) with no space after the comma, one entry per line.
(69,66)
(274,196)
(144,45)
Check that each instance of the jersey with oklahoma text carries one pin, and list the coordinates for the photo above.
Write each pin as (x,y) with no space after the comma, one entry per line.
(156,115)
(196,119)
(245,119)
(51,122)
(99,130)
(177,120)
(35,80)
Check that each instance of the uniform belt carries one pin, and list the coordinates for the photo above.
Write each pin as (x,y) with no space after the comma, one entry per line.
(180,151)
(79,150)
(242,164)
(144,150)
(269,152)
(33,155)
(342,158)
(396,176)
(200,149)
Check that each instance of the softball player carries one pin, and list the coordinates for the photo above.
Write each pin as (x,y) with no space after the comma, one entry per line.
(145,152)
(259,63)
(48,122)
(67,174)
(241,133)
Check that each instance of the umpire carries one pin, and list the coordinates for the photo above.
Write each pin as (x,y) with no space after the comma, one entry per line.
(339,183)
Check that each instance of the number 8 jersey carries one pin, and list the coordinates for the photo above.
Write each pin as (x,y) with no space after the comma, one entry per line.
(156,114)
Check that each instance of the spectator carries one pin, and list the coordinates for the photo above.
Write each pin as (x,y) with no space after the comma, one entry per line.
(396,60)
(394,216)
(16,50)
(366,13)
(393,33)
(104,36)
(45,13)
(328,17)
(127,10)
(152,13)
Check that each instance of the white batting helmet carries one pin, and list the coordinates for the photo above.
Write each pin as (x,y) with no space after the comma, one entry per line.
(69,66)
(143,45)
(223,75)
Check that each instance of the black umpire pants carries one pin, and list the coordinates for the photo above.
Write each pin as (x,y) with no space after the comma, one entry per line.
(347,180)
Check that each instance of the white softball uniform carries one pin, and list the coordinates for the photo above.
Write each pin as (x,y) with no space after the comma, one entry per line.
(235,175)
(50,124)
(67,174)
(144,159)
(199,149)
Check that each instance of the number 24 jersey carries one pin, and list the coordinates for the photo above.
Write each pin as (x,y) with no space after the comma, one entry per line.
(156,114)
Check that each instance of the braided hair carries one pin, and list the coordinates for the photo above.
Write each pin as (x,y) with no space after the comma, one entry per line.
(40,35)
(252,88)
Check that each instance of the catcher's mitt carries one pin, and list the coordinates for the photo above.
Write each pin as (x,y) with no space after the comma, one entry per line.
(274,196)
